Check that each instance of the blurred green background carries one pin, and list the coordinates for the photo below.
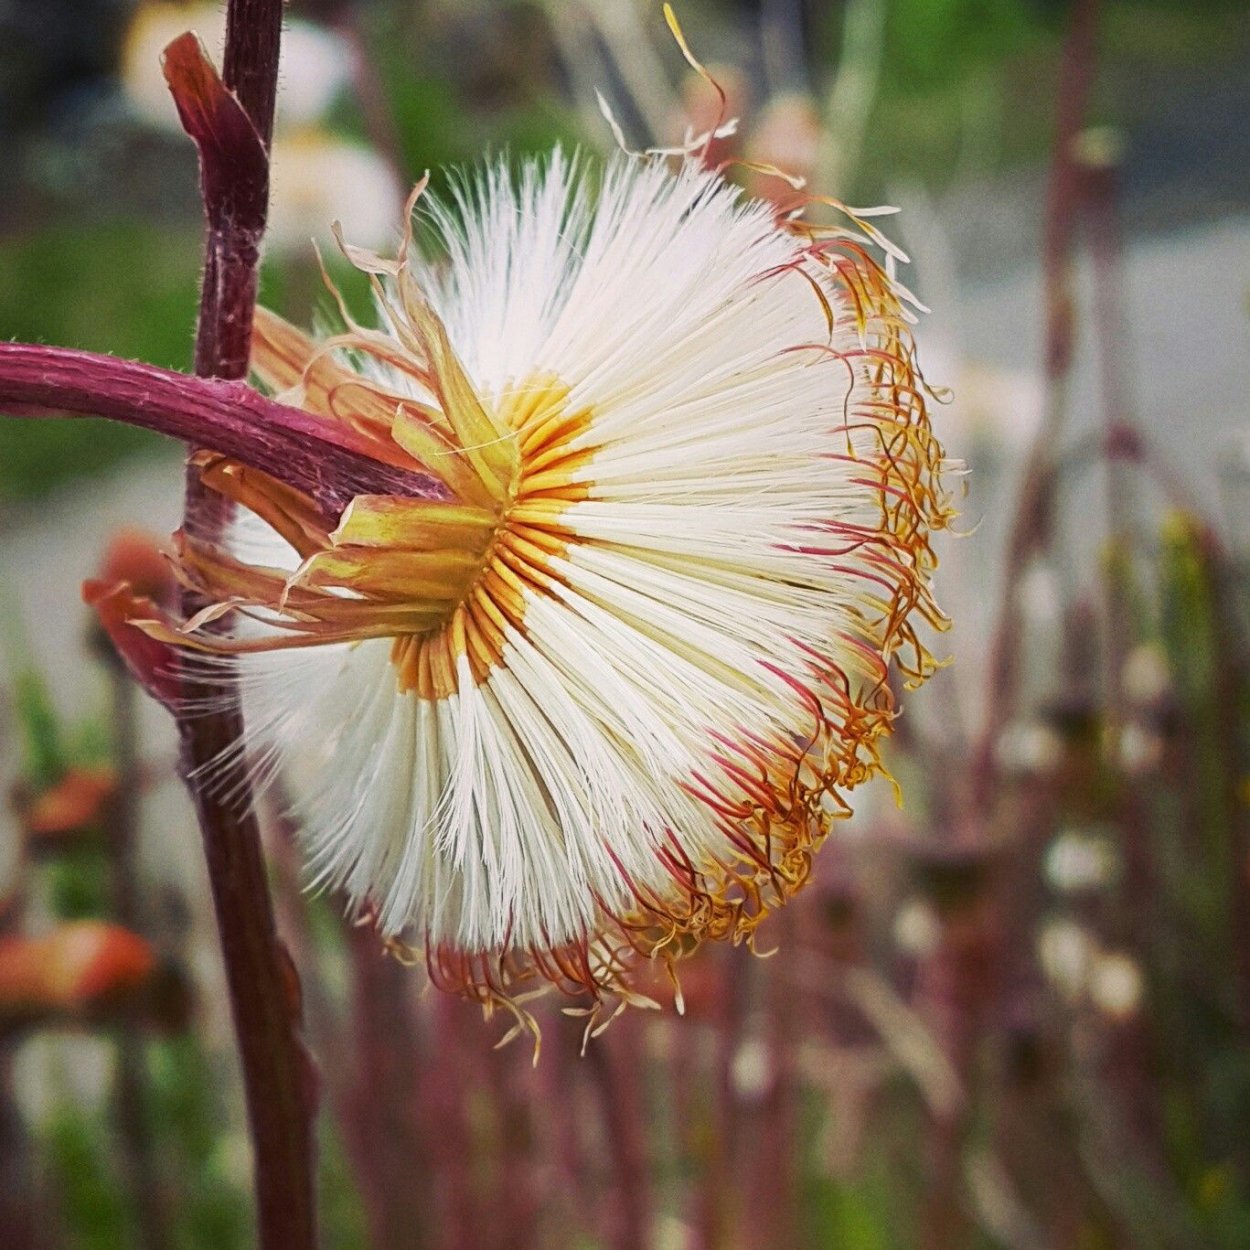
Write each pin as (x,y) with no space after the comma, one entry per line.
(1022,1025)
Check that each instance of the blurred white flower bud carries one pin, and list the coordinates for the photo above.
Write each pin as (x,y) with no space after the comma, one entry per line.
(1066,951)
(917,928)
(1077,861)
(1029,746)
(316,179)
(1141,750)
(752,1070)
(1146,676)
(1115,985)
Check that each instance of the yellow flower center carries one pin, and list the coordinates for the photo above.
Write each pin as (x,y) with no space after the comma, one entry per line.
(509,550)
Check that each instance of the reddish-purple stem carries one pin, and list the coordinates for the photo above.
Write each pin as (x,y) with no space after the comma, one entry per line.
(448,1096)
(780,1133)
(719,1203)
(324,460)
(513,1226)
(279,1082)
(384,1123)
(1135,1066)
(1231,735)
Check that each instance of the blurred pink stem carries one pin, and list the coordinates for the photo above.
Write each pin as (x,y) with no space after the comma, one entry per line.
(1031,523)
(450,1093)
(613,1060)
(391,1153)
(719,1202)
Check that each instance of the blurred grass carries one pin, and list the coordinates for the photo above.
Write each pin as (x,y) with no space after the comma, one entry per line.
(123,286)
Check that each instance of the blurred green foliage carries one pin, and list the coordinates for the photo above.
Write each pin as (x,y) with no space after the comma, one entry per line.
(122,286)
(964,84)
(80,1156)
(933,45)
(43,750)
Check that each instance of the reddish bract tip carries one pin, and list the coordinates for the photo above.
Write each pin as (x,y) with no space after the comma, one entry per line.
(152,663)
(138,558)
(234,166)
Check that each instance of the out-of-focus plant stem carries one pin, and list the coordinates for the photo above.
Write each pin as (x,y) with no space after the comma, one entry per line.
(514,1225)
(131,1084)
(279,1083)
(613,1060)
(951,994)
(1100,179)
(557,1097)
(573,34)
(376,112)
(383,1107)
(1134,1070)
(772,1215)
(448,1096)
(721,1134)
(625,38)
(1031,522)
(1231,713)
(375,108)
(851,97)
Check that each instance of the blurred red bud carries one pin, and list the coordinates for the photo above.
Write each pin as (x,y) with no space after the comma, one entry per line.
(702,110)
(74,805)
(80,970)
(153,663)
(787,136)
(139,558)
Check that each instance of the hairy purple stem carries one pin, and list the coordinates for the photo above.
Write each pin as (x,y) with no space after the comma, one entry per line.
(278,1078)
(325,461)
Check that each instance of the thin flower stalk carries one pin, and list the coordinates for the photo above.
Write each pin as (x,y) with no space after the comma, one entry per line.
(386,1135)
(231,121)
(1030,525)
(617,1081)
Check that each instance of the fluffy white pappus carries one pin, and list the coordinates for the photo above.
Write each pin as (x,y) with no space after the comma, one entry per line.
(671,646)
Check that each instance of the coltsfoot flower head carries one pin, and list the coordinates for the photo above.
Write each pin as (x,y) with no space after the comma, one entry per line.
(598,697)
